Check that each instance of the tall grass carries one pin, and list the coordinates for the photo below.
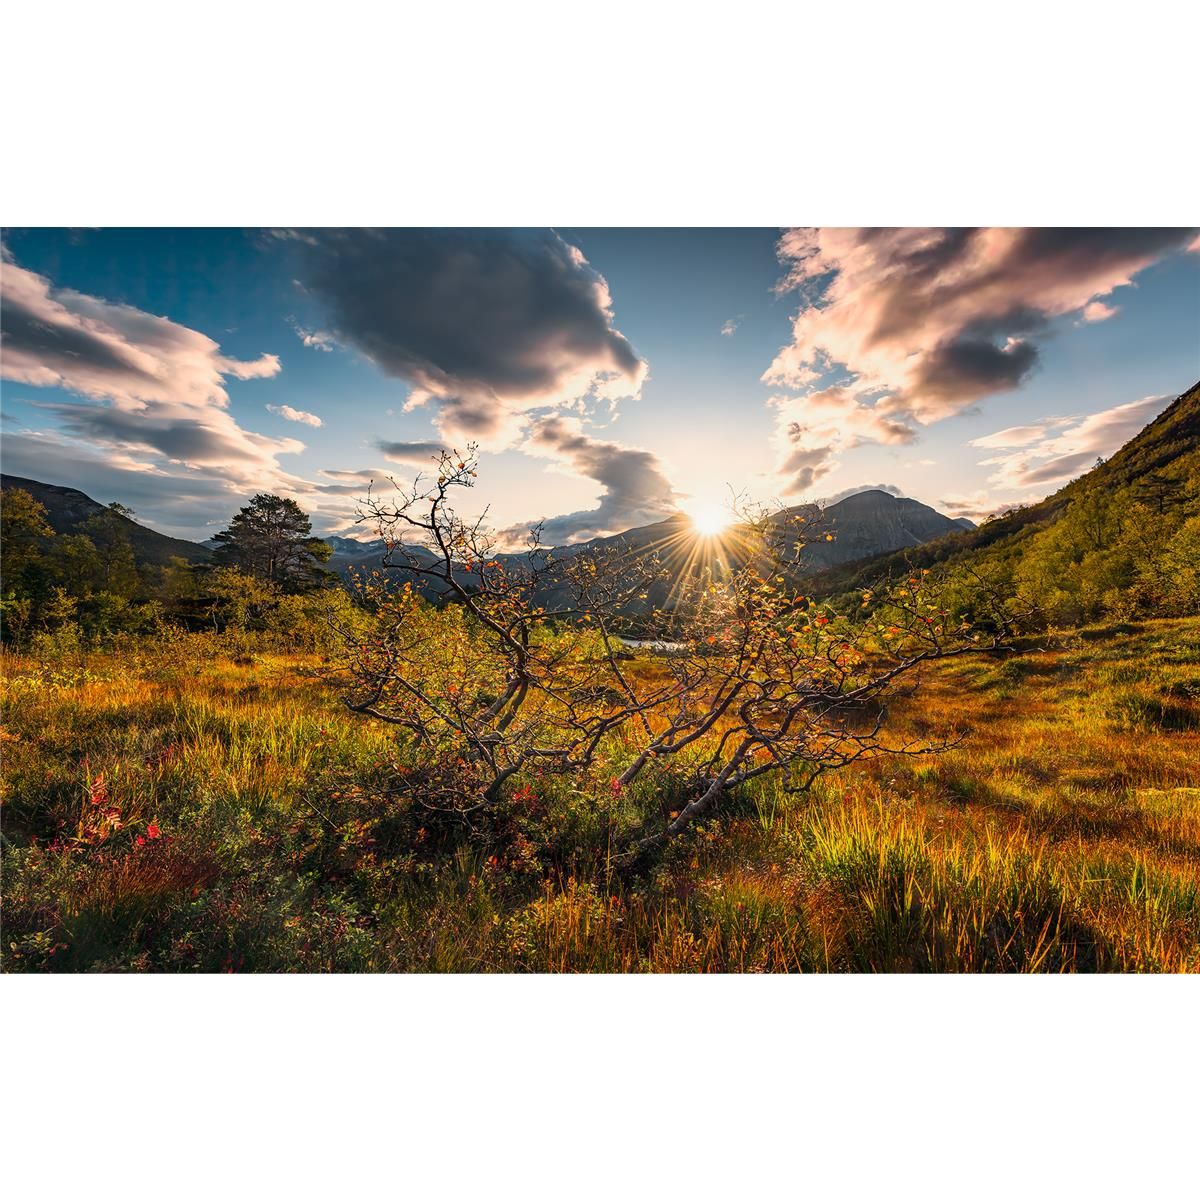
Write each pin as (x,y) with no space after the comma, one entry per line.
(196,806)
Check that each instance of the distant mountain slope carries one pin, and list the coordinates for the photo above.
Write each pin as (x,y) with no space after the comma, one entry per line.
(1173,434)
(867,524)
(864,524)
(67,509)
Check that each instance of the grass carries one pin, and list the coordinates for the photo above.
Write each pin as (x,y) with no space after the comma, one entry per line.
(192,806)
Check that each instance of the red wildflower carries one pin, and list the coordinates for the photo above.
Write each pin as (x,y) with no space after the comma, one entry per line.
(152,830)
(141,841)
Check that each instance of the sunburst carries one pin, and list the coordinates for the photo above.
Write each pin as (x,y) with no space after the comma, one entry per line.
(709,520)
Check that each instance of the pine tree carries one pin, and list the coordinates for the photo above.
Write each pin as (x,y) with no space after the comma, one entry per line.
(271,539)
(1160,491)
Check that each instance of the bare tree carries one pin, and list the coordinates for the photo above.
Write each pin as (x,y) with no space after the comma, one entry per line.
(530,672)
(771,681)
(523,663)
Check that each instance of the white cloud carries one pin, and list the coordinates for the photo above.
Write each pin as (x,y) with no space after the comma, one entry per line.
(1068,446)
(149,385)
(1097,310)
(315,339)
(1020,435)
(810,431)
(295,414)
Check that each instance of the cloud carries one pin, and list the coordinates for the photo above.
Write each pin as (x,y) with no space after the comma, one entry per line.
(1097,310)
(487,325)
(1020,435)
(150,385)
(976,507)
(348,483)
(55,337)
(416,453)
(174,501)
(181,439)
(1068,446)
(295,414)
(811,430)
(635,491)
(151,425)
(315,339)
(890,488)
(806,458)
(923,323)
(730,326)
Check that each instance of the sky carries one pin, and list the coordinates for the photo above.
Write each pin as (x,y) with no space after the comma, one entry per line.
(609,377)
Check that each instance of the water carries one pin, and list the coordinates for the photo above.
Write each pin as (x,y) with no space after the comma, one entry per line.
(654,644)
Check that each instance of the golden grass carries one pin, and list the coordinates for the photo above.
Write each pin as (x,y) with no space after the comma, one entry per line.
(1064,834)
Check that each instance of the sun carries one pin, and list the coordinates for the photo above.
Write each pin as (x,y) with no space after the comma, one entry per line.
(708,519)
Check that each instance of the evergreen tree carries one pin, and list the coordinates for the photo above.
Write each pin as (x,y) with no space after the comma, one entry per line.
(1160,491)
(271,539)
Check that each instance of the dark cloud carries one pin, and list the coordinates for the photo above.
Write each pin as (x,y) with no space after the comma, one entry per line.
(486,324)
(1065,466)
(416,453)
(635,489)
(185,440)
(971,367)
(64,346)
(803,465)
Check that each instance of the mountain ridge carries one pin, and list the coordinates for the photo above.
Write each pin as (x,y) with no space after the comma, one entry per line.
(67,508)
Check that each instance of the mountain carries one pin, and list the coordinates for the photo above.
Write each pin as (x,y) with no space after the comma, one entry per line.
(67,509)
(349,554)
(867,524)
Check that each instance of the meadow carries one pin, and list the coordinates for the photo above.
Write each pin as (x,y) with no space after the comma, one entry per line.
(205,802)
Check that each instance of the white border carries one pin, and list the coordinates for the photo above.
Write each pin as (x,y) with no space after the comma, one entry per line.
(621,114)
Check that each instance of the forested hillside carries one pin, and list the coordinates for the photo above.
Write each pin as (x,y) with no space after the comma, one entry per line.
(68,511)
(1120,541)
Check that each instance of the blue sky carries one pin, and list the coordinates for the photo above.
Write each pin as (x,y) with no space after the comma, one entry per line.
(609,376)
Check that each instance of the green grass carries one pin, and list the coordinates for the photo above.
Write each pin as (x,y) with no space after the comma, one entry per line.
(1063,835)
